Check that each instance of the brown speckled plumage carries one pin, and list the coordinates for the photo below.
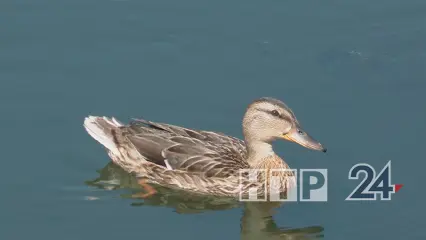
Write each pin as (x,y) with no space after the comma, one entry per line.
(198,161)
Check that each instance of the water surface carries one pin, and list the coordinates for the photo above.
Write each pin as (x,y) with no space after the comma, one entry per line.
(352,71)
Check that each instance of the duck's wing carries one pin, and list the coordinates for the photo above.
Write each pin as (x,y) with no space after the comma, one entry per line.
(174,147)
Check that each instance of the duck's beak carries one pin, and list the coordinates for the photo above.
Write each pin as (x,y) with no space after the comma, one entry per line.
(299,136)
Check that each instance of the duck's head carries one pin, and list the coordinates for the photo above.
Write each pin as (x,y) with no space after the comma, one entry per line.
(268,119)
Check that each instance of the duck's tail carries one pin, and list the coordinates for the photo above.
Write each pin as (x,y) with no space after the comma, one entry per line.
(109,133)
(104,130)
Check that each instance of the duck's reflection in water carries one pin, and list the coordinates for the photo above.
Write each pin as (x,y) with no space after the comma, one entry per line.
(256,223)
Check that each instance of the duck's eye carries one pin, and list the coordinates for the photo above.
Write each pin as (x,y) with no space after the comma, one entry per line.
(275,113)
(300,132)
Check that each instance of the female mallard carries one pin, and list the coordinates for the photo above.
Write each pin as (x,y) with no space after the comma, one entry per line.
(201,161)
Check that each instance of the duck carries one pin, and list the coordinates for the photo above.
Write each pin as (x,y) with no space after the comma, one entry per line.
(206,162)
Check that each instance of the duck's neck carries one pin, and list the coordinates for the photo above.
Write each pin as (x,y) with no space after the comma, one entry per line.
(258,151)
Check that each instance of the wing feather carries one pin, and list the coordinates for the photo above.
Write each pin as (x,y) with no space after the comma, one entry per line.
(210,153)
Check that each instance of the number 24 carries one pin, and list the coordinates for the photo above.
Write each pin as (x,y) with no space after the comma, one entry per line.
(371,185)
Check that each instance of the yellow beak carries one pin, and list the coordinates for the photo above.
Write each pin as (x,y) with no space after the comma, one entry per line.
(298,136)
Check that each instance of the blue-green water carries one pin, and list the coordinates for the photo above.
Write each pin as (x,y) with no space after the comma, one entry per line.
(352,71)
